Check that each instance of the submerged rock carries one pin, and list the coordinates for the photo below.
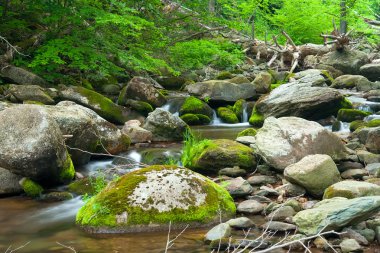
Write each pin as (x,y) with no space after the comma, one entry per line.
(148,199)
(336,213)
(314,172)
(285,141)
(165,126)
(31,145)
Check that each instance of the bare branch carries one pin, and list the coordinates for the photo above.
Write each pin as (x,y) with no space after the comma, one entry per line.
(10,250)
(67,247)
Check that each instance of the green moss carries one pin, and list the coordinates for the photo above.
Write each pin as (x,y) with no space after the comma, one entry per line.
(356,124)
(194,105)
(349,115)
(224,75)
(195,119)
(345,104)
(82,186)
(102,209)
(121,99)
(227,115)
(275,85)
(68,170)
(238,108)
(140,106)
(31,188)
(331,193)
(256,119)
(373,123)
(247,132)
(32,102)
(102,105)
(327,75)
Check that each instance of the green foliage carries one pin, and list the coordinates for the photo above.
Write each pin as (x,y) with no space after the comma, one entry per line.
(192,145)
(195,54)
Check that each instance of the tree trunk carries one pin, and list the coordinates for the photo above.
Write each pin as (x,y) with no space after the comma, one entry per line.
(343,16)
(212,6)
(5,7)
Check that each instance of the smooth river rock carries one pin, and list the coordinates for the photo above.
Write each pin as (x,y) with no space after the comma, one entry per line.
(352,189)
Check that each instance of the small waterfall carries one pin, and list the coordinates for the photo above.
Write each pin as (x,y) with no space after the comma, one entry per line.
(344,127)
(245,113)
(134,156)
(371,117)
(215,120)
(94,166)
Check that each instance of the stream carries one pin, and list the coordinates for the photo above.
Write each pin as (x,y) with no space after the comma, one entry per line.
(47,225)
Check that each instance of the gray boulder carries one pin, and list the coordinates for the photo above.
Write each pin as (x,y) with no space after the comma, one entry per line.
(347,61)
(285,141)
(221,90)
(353,81)
(371,71)
(336,213)
(9,183)
(313,172)
(351,189)
(165,126)
(262,82)
(21,93)
(31,145)
(135,132)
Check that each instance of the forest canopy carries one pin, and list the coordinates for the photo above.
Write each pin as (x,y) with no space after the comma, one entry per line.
(74,40)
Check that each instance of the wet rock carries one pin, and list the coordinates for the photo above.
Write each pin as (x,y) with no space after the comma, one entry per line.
(194,105)
(221,153)
(278,226)
(351,189)
(35,152)
(250,206)
(165,126)
(227,115)
(314,172)
(140,106)
(57,196)
(218,232)
(9,183)
(235,171)
(371,71)
(147,199)
(21,93)
(350,245)
(285,141)
(241,223)
(30,187)
(281,214)
(95,101)
(238,187)
(136,133)
(221,90)
(262,180)
(354,174)
(141,89)
(349,115)
(336,213)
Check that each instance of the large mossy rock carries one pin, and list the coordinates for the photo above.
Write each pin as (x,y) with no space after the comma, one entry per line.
(349,115)
(31,145)
(141,89)
(336,213)
(314,173)
(195,119)
(193,105)
(353,81)
(220,90)
(299,99)
(284,141)
(148,199)
(214,155)
(95,101)
(351,189)
(165,126)
(21,93)
(227,115)
(347,61)
(90,132)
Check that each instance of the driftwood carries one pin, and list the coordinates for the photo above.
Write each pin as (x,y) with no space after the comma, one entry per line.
(338,39)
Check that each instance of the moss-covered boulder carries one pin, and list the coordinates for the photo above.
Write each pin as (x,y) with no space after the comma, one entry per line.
(195,119)
(256,119)
(31,145)
(21,93)
(150,198)
(349,115)
(357,124)
(143,107)
(238,109)
(95,101)
(142,89)
(31,188)
(193,105)
(352,81)
(247,132)
(373,123)
(213,155)
(227,115)
(351,189)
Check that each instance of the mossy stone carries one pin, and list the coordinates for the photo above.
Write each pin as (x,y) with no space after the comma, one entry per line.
(356,124)
(82,186)
(256,119)
(238,109)
(227,115)
(248,132)
(195,119)
(349,115)
(224,75)
(140,106)
(221,153)
(31,188)
(193,105)
(68,170)
(171,194)
(373,123)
